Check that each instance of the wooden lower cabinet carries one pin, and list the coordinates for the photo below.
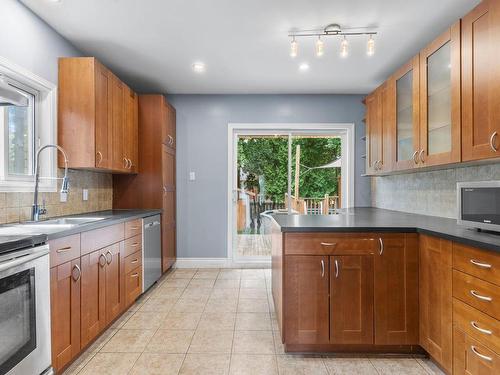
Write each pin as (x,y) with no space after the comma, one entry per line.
(470,357)
(435,294)
(396,290)
(307,300)
(65,312)
(93,295)
(351,300)
(114,281)
(133,285)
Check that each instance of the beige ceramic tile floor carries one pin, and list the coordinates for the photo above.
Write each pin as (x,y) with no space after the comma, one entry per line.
(212,321)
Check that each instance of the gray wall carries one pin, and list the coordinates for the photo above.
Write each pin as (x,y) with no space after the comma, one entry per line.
(202,122)
(29,42)
(428,193)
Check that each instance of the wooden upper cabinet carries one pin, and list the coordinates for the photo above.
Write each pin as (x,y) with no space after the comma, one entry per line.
(435,295)
(65,312)
(351,302)
(95,127)
(481,82)
(373,131)
(440,100)
(169,132)
(406,132)
(396,290)
(307,300)
(131,133)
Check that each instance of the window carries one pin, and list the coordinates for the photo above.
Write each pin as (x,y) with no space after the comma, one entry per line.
(18,134)
(27,122)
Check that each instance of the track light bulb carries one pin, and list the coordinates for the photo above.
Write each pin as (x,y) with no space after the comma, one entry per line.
(344,47)
(294,48)
(370,46)
(320,47)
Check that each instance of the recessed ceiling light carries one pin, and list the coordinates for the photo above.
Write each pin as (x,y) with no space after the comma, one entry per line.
(198,67)
(304,67)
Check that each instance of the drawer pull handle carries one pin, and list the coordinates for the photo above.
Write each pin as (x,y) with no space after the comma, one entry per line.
(135,244)
(482,330)
(63,249)
(486,358)
(134,275)
(134,228)
(328,244)
(477,295)
(134,261)
(479,264)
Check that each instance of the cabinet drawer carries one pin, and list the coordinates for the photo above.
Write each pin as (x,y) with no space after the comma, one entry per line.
(471,357)
(477,325)
(133,285)
(64,249)
(330,244)
(133,228)
(102,237)
(477,293)
(476,262)
(131,245)
(133,261)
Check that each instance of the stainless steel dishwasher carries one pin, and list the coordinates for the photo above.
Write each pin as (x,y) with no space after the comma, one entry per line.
(152,251)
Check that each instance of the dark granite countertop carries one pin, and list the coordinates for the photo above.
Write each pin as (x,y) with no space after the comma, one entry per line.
(30,230)
(379,220)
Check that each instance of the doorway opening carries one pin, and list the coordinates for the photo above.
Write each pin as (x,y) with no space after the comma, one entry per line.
(277,169)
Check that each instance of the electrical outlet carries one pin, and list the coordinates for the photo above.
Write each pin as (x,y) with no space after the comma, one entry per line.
(85,194)
(63,197)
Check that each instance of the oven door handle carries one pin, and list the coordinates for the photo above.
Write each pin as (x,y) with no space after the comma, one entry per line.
(34,254)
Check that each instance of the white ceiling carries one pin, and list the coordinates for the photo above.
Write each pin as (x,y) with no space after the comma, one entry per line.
(151,44)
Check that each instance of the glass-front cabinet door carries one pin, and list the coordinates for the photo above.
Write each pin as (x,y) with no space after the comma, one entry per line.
(407,116)
(440,100)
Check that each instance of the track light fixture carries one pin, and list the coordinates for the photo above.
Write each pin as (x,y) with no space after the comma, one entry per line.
(335,31)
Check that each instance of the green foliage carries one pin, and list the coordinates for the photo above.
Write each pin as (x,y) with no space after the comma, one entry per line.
(268,158)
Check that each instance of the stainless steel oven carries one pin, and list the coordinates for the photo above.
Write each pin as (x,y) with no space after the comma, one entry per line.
(25,312)
(479,204)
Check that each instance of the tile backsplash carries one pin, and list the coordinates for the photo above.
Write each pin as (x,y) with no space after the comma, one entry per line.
(428,193)
(16,207)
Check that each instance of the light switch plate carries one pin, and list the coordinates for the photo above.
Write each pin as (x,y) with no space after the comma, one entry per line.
(85,194)
(192,176)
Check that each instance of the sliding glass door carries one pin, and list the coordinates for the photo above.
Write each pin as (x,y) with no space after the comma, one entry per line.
(280,172)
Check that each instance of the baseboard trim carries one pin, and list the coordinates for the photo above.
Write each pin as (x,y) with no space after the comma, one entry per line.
(218,263)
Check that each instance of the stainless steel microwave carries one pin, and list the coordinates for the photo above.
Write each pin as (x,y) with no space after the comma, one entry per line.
(479,204)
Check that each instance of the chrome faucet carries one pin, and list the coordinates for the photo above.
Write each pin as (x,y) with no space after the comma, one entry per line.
(36,210)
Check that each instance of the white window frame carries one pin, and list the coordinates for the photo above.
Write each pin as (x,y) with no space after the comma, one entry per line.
(45,123)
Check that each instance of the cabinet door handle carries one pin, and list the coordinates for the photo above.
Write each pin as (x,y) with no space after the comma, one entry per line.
(482,330)
(99,153)
(336,268)
(414,156)
(102,260)
(486,358)
(125,162)
(381,243)
(480,264)
(492,141)
(328,244)
(111,257)
(421,156)
(63,249)
(478,296)
(78,275)
(322,268)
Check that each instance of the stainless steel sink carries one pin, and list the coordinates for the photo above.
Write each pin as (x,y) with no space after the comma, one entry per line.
(48,226)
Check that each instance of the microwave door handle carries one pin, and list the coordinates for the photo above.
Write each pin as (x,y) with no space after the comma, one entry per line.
(22,259)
